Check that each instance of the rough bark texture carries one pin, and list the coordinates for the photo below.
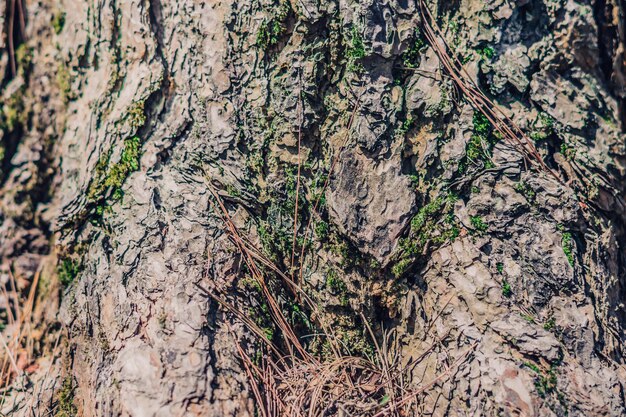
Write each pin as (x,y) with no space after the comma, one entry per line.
(122,115)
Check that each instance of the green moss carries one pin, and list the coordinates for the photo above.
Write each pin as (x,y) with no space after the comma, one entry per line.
(482,126)
(433,223)
(273,28)
(112,176)
(355,51)
(478,224)
(533,367)
(333,282)
(321,230)
(68,270)
(486,52)
(401,267)
(13,111)
(410,57)
(546,382)
(479,147)
(129,162)
(568,247)
(404,127)
(58,21)
(543,127)
(24,58)
(500,267)
(64,82)
(568,152)
(65,399)
(549,324)
(523,188)
(506,289)
(232,190)
(136,114)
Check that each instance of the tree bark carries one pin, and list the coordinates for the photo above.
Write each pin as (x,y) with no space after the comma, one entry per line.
(506,277)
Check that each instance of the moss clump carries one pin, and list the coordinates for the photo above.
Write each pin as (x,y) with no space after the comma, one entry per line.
(568,152)
(67,271)
(13,111)
(506,289)
(336,286)
(136,114)
(321,230)
(355,51)
(401,267)
(549,324)
(65,399)
(479,147)
(543,127)
(486,52)
(433,223)
(58,21)
(129,162)
(273,28)
(113,176)
(478,224)
(64,83)
(545,381)
(523,188)
(24,58)
(568,247)
(410,57)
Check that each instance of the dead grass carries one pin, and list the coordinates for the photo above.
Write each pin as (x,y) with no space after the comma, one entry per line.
(25,340)
(17,344)
(509,130)
(291,381)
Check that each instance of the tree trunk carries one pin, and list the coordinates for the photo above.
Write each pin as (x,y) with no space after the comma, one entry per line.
(452,183)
